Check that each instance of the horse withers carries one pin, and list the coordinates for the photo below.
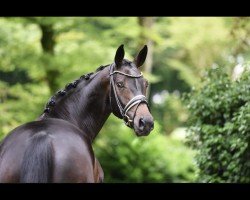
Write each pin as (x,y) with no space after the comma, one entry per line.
(57,147)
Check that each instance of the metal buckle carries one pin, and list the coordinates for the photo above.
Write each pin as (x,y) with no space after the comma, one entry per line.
(127,121)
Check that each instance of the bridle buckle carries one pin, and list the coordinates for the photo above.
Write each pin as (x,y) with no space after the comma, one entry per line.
(127,120)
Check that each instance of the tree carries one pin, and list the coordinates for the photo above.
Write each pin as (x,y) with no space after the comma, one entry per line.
(220,127)
(146,25)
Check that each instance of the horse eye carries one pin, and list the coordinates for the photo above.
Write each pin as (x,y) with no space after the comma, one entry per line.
(146,83)
(120,84)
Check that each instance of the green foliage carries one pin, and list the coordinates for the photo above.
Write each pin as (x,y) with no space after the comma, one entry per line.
(21,90)
(155,158)
(191,45)
(220,127)
(174,115)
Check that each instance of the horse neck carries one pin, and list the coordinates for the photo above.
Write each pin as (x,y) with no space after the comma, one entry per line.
(88,106)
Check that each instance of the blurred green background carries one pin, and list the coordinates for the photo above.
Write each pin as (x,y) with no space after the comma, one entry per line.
(40,55)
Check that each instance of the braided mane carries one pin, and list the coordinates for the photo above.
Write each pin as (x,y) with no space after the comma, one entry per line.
(68,87)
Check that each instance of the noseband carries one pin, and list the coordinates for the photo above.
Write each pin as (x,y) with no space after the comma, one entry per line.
(136,100)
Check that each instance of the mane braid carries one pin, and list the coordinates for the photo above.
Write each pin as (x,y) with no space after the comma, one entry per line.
(52,101)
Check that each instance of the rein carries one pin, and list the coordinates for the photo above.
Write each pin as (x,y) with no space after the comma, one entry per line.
(136,100)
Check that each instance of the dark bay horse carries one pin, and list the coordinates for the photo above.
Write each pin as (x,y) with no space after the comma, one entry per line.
(57,147)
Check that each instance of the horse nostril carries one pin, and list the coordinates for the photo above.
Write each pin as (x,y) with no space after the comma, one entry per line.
(141,123)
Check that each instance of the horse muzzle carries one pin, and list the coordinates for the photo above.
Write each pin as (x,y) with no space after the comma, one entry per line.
(143,121)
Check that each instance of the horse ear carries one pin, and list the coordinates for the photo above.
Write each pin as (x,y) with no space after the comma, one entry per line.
(141,57)
(119,56)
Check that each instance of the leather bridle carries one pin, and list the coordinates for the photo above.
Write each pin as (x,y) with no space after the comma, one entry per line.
(135,101)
